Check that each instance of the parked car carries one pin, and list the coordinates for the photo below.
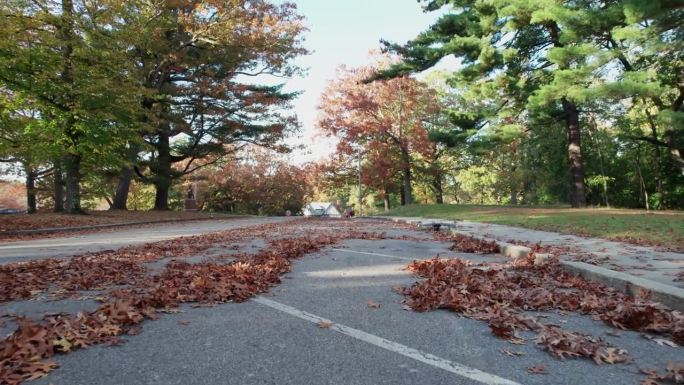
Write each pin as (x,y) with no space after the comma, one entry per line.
(11,211)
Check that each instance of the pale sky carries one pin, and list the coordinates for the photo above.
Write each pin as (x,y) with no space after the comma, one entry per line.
(344,32)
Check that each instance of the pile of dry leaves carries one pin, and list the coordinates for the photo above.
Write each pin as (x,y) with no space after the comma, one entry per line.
(674,374)
(501,294)
(467,244)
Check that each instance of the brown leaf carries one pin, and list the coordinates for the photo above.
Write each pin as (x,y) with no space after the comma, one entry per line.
(511,353)
(517,341)
(38,369)
(184,322)
(325,324)
(613,356)
(62,345)
(537,369)
(649,381)
(373,305)
(502,330)
(170,311)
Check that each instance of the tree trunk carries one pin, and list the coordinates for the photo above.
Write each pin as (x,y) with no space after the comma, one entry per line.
(577,186)
(534,197)
(406,158)
(121,195)
(31,176)
(642,183)
(658,159)
(601,162)
(675,151)
(408,198)
(438,189)
(72,163)
(514,190)
(162,171)
(386,200)
(532,160)
(58,194)
(161,198)
(120,201)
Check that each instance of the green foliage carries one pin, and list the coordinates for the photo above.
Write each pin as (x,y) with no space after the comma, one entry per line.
(527,66)
(141,197)
(102,86)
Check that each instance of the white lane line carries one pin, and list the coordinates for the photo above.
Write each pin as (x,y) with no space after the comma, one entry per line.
(395,347)
(377,254)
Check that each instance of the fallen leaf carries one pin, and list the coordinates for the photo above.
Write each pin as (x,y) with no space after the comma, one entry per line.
(62,345)
(517,341)
(38,369)
(373,305)
(537,369)
(183,322)
(649,381)
(325,324)
(170,310)
(511,353)
(613,356)
(649,371)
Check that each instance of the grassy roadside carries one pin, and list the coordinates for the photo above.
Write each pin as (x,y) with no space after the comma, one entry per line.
(664,229)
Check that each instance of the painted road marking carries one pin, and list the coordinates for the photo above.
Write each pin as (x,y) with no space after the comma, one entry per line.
(377,254)
(395,347)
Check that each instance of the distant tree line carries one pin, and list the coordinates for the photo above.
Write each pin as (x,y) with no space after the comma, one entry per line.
(551,101)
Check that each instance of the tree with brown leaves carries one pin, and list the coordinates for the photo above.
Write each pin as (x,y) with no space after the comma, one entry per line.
(388,113)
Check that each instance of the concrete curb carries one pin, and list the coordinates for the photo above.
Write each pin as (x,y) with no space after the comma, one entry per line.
(507,249)
(668,295)
(50,230)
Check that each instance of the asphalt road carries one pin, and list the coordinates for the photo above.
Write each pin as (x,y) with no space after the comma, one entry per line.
(118,237)
(275,339)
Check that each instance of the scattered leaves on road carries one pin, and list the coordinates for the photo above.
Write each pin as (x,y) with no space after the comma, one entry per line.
(500,294)
(132,291)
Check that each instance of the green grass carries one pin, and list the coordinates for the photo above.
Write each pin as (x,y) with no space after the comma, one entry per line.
(665,229)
